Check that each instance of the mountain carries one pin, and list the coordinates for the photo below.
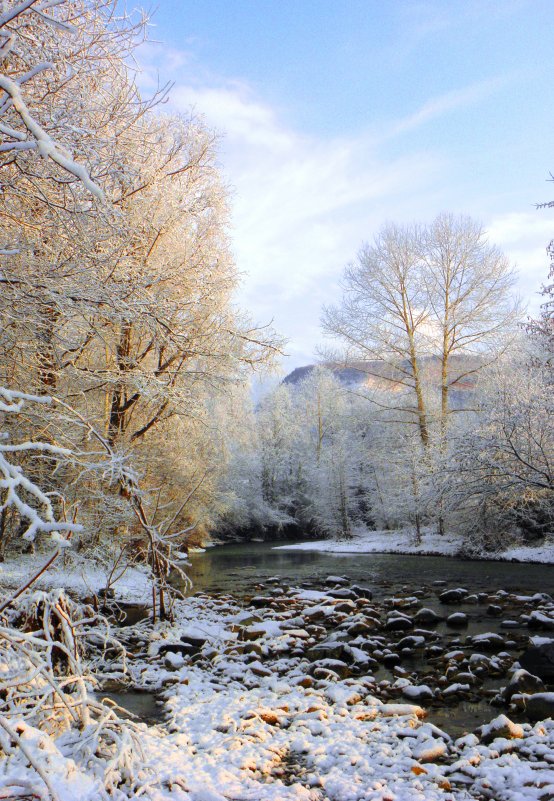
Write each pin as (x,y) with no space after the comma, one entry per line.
(378,374)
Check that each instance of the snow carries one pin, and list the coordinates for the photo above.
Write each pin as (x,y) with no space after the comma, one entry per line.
(247,726)
(79,576)
(235,732)
(432,544)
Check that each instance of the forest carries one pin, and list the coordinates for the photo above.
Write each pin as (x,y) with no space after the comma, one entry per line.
(131,436)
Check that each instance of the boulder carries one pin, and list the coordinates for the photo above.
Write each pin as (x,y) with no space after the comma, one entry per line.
(522,682)
(539,660)
(455,596)
(539,706)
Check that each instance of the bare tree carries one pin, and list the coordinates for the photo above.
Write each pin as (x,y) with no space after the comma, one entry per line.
(469,285)
(383,319)
(421,297)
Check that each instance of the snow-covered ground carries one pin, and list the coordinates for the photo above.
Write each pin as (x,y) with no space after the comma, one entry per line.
(251,724)
(432,543)
(79,576)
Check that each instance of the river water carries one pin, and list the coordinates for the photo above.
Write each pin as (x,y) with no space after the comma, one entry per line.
(243,569)
(238,568)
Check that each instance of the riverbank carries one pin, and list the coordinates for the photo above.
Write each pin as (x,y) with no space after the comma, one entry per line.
(318,692)
(282,697)
(80,576)
(431,544)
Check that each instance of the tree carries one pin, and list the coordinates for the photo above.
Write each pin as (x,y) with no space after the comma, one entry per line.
(469,288)
(383,318)
(123,310)
(501,481)
(418,297)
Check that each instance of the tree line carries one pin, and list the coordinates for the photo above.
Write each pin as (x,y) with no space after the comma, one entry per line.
(117,287)
(127,419)
(450,423)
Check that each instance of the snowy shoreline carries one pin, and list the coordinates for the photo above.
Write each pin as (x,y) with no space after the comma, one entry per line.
(82,577)
(279,698)
(432,544)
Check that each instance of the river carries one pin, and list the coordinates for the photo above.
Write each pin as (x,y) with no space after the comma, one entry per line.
(244,569)
(238,568)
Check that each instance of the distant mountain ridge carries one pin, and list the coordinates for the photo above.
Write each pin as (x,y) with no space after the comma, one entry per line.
(369,373)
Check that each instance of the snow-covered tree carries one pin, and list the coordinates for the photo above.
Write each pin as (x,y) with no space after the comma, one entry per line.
(425,308)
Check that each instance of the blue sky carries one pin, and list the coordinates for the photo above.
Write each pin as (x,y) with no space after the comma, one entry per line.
(339,115)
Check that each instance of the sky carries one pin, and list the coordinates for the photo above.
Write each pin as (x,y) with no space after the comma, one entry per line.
(337,116)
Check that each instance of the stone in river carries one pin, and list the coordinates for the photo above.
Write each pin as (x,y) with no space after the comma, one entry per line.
(359,627)
(427,616)
(455,596)
(455,690)
(343,594)
(540,620)
(539,660)
(457,619)
(489,641)
(333,580)
(420,692)
(465,677)
(523,682)
(411,641)
(494,610)
(362,592)
(539,706)
(399,623)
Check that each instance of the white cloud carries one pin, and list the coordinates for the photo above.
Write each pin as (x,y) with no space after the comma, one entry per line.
(450,101)
(302,205)
(524,237)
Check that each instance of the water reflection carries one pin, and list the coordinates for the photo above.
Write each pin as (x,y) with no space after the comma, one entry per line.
(237,568)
